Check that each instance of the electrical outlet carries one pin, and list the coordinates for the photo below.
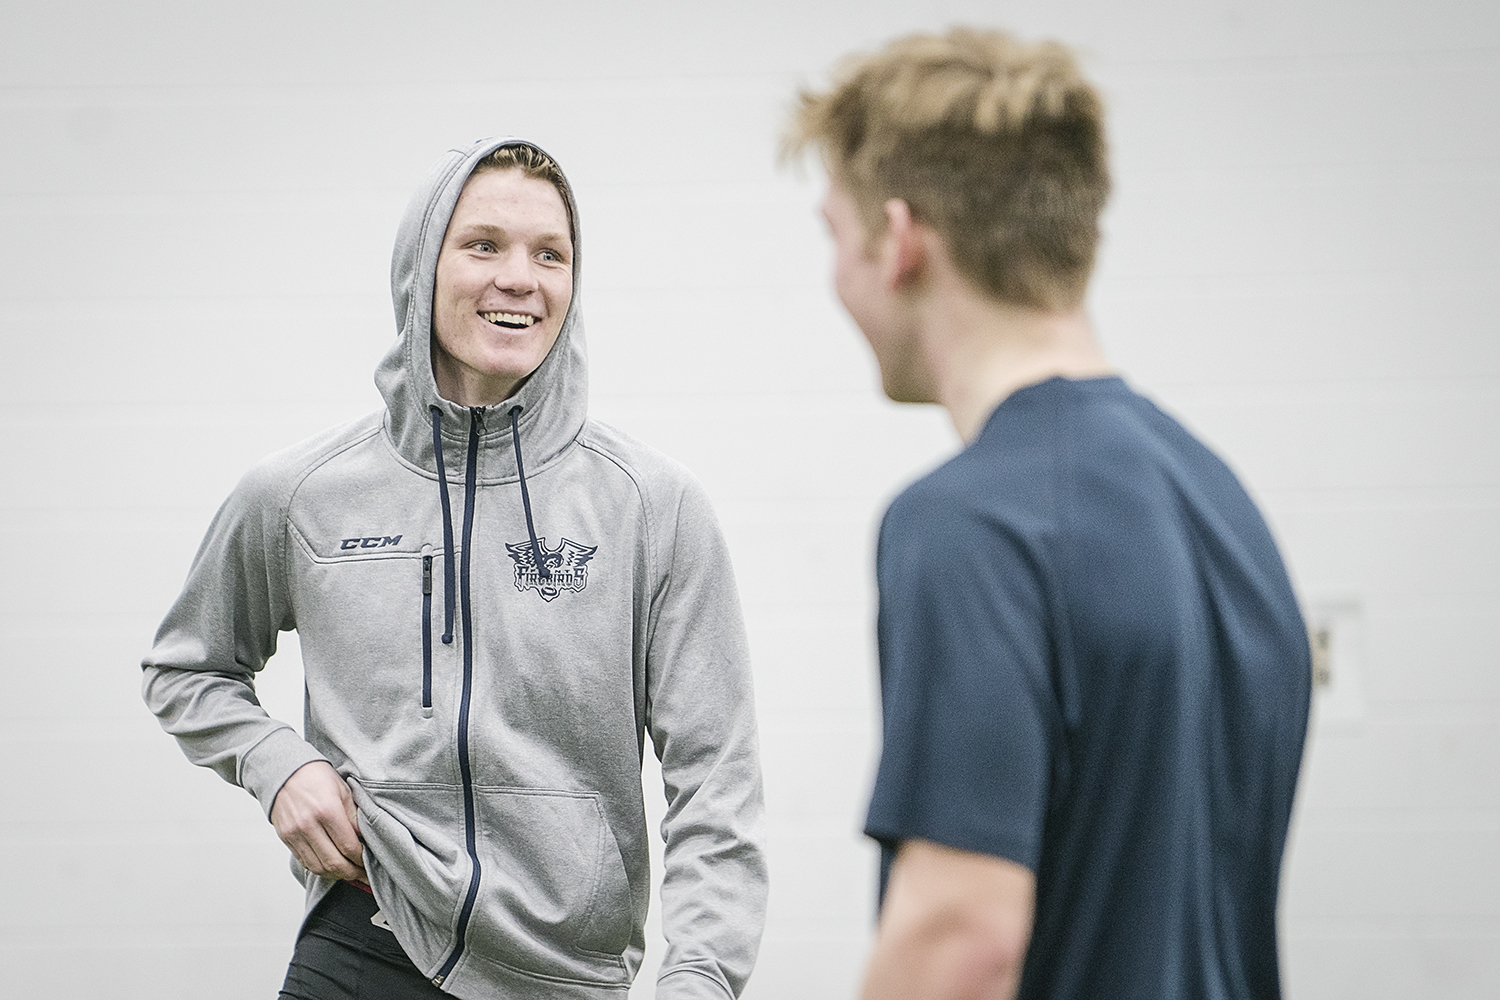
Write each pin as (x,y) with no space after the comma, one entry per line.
(1335,630)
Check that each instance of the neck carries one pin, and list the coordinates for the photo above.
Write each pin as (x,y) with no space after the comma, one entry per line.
(460,384)
(983,350)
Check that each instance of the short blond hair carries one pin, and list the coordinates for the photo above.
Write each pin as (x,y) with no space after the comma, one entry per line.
(997,144)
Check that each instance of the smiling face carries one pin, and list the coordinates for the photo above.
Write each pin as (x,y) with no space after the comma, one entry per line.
(504,282)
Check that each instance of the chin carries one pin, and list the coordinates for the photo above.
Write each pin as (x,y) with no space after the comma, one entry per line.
(914,398)
(511,364)
(904,390)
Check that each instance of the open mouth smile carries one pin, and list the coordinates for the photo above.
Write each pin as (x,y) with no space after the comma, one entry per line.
(511,321)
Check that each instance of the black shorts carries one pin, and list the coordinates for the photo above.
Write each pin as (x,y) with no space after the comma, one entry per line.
(341,955)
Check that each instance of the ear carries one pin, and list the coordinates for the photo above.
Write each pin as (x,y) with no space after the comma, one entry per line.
(903,250)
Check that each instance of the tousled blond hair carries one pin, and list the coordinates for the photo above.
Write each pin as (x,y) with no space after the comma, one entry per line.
(997,144)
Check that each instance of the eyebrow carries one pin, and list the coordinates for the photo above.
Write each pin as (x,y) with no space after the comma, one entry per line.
(474,229)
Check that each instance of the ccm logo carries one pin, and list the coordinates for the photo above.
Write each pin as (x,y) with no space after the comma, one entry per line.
(373,542)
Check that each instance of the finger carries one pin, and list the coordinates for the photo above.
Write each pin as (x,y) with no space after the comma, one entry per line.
(319,854)
(304,855)
(344,835)
(332,863)
(352,811)
(324,861)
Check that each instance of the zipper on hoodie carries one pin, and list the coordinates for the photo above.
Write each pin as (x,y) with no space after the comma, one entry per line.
(465,774)
(427,634)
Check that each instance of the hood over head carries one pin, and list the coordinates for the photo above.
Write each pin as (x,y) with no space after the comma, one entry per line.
(553,401)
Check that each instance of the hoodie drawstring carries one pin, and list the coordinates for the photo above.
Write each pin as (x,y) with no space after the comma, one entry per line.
(448,567)
(437,451)
(536,550)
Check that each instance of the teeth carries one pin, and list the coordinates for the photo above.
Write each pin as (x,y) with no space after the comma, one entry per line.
(513,319)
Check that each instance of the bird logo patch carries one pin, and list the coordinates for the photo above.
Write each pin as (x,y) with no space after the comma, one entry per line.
(563,568)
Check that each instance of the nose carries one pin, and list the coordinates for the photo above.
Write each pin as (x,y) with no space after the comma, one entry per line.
(515,273)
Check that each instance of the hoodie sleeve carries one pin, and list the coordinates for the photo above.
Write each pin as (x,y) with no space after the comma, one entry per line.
(701,716)
(199,677)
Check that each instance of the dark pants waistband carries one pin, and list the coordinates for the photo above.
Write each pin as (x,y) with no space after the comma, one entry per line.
(342,955)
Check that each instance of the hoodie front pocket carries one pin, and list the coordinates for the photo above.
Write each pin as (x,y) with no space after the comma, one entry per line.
(555,900)
(414,853)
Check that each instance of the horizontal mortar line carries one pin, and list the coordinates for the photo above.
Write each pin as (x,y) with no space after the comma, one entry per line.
(1404,925)
(522,86)
(413,90)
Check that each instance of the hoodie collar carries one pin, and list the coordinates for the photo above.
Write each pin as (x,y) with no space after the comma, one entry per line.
(553,401)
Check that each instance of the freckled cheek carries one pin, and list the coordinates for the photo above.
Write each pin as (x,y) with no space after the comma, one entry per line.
(562,294)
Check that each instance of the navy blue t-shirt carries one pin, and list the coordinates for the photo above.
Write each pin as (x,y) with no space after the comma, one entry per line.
(1092,664)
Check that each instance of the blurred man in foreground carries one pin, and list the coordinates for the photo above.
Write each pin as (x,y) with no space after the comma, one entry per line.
(1094,673)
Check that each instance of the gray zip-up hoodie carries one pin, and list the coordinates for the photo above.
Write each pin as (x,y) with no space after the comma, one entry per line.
(490,629)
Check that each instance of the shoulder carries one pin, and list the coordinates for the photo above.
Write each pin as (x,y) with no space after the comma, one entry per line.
(990,490)
(674,504)
(952,547)
(275,479)
(995,512)
(1132,462)
(661,480)
(1016,468)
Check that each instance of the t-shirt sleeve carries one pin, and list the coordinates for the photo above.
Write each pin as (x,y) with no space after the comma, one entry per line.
(964,664)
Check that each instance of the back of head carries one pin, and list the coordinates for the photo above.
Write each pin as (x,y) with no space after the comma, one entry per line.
(996,144)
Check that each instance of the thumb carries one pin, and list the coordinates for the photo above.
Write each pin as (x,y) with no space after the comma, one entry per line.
(350,809)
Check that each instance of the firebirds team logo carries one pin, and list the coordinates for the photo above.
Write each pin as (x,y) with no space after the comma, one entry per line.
(567,566)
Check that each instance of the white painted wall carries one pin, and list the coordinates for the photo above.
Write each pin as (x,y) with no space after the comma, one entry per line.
(197,202)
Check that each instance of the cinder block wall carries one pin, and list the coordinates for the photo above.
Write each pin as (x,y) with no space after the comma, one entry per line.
(197,206)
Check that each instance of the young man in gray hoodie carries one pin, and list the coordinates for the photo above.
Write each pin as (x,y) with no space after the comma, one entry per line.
(498,601)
